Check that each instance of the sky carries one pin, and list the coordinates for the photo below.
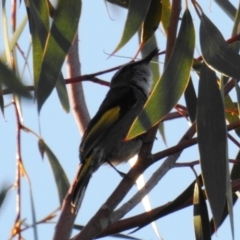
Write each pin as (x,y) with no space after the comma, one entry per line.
(99,34)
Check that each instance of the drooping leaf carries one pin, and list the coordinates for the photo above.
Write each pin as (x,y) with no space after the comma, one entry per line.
(151,21)
(40,29)
(173,82)
(136,15)
(33,212)
(58,43)
(14,38)
(191,100)
(166,11)
(62,93)
(216,52)
(154,65)
(59,174)
(201,220)
(235,174)
(39,24)
(11,81)
(227,7)
(212,141)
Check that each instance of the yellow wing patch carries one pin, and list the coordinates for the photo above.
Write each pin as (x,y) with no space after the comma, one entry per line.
(104,123)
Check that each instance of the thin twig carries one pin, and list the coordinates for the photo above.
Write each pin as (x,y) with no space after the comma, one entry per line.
(17,224)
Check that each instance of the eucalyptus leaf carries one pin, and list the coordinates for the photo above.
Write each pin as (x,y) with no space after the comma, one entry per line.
(191,100)
(201,219)
(173,82)
(11,81)
(136,15)
(151,21)
(58,43)
(216,52)
(62,93)
(39,25)
(59,174)
(212,141)
(166,12)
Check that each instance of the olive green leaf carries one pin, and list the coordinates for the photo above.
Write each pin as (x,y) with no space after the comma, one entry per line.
(166,11)
(151,21)
(136,15)
(12,82)
(62,93)
(39,27)
(216,52)
(191,100)
(201,219)
(58,43)
(173,82)
(59,174)
(212,141)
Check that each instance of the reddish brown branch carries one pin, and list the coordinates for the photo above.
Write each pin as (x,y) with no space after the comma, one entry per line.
(147,217)
(17,224)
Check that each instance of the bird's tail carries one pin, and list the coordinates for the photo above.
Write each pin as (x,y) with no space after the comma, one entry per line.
(83,176)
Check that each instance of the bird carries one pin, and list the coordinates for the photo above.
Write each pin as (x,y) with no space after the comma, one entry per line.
(104,138)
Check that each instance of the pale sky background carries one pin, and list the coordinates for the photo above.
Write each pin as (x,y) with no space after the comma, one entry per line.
(100,32)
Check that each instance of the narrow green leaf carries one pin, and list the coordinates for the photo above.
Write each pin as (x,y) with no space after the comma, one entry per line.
(62,93)
(216,52)
(10,80)
(191,100)
(151,21)
(235,174)
(34,221)
(154,65)
(173,82)
(14,39)
(166,12)
(136,15)
(201,219)
(39,24)
(227,7)
(58,43)
(39,29)
(212,141)
(59,174)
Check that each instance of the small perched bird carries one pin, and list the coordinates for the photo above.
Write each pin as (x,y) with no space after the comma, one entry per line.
(104,139)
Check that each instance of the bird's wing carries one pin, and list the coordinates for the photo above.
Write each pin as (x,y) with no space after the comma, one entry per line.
(115,105)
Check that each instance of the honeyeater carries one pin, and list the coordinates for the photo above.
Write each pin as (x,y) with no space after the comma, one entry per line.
(104,139)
